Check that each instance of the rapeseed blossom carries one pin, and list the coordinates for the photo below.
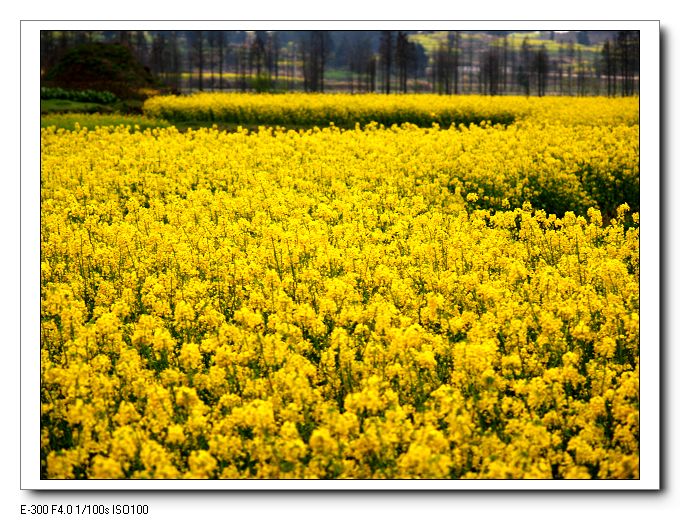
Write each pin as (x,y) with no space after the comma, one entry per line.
(386,302)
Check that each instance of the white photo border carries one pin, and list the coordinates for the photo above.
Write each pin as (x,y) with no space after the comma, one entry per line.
(650,318)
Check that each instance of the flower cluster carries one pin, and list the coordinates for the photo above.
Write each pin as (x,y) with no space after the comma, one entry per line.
(337,304)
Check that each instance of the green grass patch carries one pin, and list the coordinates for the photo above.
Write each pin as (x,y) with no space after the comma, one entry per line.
(64,105)
(337,75)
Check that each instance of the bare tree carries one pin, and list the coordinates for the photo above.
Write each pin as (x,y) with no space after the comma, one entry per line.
(158,62)
(241,58)
(441,69)
(609,68)
(210,55)
(405,58)
(257,53)
(628,56)
(221,49)
(580,73)
(454,54)
(175,59)
(362,64)
(197,54)
(524,69)
(571,53)
(273,53)
(491,70)
(446,65)
(386,52)
(541,68)
(48,50)
(504,64)
(315,50)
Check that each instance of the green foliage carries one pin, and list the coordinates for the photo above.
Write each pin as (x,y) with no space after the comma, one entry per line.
(85,96)
(102,68)
(262,84)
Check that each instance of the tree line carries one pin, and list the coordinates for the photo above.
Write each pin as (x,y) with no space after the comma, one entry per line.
(457,62)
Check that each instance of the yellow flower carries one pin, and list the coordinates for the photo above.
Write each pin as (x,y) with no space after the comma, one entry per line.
(190,357)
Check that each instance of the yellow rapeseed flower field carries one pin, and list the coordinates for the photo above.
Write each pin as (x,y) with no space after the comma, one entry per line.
(419,109)
(377,302)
